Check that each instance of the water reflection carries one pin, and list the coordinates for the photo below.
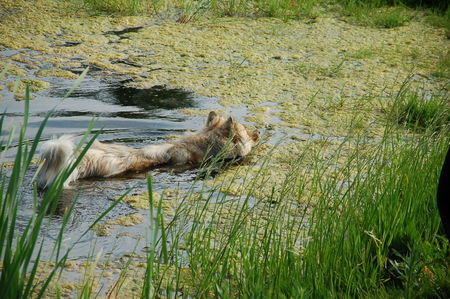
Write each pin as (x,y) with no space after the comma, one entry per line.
(156,97)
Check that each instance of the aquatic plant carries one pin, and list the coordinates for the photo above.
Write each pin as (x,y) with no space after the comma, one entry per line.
(126,7)
(418,111)
(443,66)
(375,14)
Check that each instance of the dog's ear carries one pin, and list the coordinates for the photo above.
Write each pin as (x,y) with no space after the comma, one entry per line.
(228,126)
(255,135)
(212,119)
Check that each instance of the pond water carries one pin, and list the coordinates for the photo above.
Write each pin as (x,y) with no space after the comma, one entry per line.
(125,115)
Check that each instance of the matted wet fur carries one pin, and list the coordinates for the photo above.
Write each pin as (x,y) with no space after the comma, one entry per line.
(224,136)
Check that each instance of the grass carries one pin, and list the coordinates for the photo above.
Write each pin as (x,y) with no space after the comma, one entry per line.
(443,67)
(359,221)
(124,7)
(373,231)
(377,13)
(395,13)
(372,14)
(420,112)
(439,19)
(21,249)
(378,234)
(284,9)
(363,53)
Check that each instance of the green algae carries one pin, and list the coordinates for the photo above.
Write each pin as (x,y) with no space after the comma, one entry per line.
(202,112)
(128,220)
(141,201)
(12,69)
(34,161)
(102,229)
(168,198)
(271,61)
(34,85)
(21,57)
(56,73)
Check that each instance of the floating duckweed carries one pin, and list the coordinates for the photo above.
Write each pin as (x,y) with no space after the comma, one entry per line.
(34,161)
(129,220)
(171,137)
(140,201)
(34,85)
(12,69)
(71,265)
(202,112)
(258,118)
(21,58)
(102,229)
(56,73)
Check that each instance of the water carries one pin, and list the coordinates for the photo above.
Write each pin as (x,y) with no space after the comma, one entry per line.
(125,115)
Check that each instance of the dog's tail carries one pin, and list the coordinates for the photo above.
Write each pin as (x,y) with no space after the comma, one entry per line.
(56,154)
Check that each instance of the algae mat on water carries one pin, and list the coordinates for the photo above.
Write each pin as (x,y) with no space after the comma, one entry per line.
(309,79)
(317,73)
(312,80)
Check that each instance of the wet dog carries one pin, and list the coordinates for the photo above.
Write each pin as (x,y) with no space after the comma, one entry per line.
(225,137)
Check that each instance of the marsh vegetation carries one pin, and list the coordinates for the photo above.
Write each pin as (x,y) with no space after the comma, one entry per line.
(339,200)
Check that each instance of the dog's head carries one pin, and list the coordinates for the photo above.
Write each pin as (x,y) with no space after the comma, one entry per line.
(231,136)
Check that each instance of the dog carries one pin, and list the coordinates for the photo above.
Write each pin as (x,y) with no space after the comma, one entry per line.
(220,137)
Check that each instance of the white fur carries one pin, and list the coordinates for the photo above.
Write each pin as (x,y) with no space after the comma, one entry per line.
(56,154)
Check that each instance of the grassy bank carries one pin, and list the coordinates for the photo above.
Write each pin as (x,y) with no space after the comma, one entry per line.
(377,13)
